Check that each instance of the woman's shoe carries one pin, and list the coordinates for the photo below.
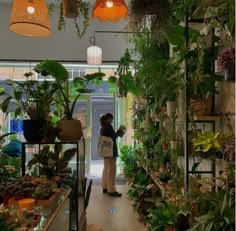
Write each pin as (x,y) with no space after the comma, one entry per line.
(115,194)
(104,190)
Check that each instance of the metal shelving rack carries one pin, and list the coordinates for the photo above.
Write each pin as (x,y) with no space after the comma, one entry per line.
(211,119)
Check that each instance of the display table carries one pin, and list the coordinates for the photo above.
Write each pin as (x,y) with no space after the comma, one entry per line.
(56,216)
(72,210)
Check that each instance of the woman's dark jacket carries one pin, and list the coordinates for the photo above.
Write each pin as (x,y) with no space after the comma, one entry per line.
(109,131)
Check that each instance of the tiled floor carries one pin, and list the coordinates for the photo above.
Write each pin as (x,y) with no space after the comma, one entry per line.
(112,214)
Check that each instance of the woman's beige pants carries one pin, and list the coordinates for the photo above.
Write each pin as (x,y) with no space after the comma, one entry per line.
(109,174)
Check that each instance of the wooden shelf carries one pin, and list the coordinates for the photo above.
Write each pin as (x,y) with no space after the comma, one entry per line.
(206,118)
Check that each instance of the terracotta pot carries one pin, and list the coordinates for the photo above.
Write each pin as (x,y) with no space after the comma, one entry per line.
(169,228)
(165,146)
(70,130)
(70,8)
(200,107)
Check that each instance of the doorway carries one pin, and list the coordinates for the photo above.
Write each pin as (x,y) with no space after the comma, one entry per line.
(100,106)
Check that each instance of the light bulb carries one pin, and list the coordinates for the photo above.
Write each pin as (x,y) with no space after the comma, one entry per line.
(109,4)
(30,9)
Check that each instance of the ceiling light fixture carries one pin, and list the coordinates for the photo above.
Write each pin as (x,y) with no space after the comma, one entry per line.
(30,18)
(94,53)
(111,10)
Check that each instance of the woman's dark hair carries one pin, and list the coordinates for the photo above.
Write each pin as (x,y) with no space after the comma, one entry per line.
(103,120)
(109,115)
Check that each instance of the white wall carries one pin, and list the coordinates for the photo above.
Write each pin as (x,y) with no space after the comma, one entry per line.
(61,46)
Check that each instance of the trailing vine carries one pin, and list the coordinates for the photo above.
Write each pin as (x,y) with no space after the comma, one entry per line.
(81,23)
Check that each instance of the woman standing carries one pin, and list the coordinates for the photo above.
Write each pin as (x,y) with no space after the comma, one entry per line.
(109,169)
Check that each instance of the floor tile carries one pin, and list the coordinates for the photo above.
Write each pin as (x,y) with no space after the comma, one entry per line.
(113,214)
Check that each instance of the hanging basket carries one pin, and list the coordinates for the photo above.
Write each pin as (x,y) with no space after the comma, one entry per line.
(200,107)
(70,8)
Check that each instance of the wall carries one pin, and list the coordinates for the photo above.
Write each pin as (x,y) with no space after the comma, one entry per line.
(64,45)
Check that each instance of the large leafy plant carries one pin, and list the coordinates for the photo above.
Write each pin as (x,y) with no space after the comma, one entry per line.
(69,92)
(30,98)
(53,162)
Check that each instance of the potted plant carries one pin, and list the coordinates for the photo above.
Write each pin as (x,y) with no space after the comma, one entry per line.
(218,213)
(69,94)
(208,144)
(32,99)
(202,79)
(125,81)
(159,11)
(74,10)
(53,163)
(226,62)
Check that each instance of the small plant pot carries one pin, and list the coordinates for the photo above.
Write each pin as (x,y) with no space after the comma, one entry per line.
(165,146)
(200,107)
(171,107)
(168,187)
(70,8)
(173,145)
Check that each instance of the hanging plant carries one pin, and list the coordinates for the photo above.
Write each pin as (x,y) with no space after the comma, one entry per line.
(82,12)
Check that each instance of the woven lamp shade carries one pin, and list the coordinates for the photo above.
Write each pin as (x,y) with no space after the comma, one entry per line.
(94,55)
(30,18)
(114,13)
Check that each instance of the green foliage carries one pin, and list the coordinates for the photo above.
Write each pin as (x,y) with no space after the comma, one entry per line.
(10,167)
(45,189)
(128,160)
(53,163)
(87,192)
(202,79)
(205,141)
(32,98)
(68,94)
(81,23)
(220,214)
(163,214)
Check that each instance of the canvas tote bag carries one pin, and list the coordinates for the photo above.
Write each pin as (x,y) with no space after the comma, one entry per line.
(105,146)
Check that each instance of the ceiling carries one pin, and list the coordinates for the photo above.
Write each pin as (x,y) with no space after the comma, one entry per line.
(62,45)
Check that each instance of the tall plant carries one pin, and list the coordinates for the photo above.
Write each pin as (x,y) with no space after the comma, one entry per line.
(66,101)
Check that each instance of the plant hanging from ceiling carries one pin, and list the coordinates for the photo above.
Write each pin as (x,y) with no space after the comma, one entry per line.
(80,16)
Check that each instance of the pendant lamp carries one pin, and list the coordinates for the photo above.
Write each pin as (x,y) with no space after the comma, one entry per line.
(94,54)
(30,18)
(111,10)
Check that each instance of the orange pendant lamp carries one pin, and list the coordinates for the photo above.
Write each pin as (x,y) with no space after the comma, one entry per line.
(111,10)
(30,18)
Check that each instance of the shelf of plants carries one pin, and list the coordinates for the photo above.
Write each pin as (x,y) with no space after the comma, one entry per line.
(181,166)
